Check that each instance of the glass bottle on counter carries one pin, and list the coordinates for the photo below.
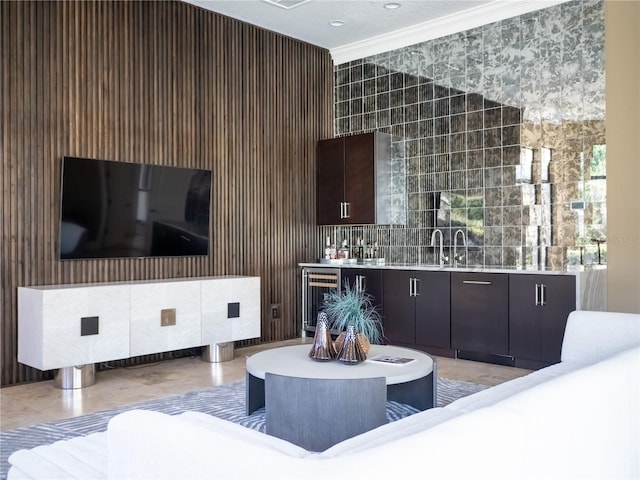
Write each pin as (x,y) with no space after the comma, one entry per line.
(327,249)
(343,252)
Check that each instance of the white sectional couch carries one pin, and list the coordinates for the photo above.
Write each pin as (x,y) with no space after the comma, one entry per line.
(576,419)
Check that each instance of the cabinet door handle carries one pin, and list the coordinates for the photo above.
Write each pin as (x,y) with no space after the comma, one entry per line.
(341,209)
(411,287)
(476,282)
(362,282)
(416,287)
(543,294)
(346,209)
(537,294)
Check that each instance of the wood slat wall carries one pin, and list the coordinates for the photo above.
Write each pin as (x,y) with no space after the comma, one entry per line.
(163,83)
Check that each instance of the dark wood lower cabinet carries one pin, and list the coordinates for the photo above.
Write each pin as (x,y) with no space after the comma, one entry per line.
(509,318)
(480,312)
(399,307)
(538,309)
(369,279)
(416,308)
(433,325)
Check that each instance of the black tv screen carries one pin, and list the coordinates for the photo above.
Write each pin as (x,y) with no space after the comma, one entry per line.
(115,209)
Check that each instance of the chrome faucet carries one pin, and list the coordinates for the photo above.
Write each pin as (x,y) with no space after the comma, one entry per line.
(442,257)
(458,258)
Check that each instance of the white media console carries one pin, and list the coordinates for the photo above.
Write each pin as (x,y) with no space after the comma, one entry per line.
(71,326)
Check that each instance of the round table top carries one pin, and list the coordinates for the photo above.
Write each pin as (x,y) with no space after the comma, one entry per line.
(294,361)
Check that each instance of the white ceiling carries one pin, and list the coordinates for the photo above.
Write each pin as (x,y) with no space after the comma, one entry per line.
(369,27)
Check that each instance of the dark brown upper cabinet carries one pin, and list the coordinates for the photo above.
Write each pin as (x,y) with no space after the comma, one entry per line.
(354,179)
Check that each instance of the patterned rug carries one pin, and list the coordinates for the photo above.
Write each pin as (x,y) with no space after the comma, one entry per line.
(227,401)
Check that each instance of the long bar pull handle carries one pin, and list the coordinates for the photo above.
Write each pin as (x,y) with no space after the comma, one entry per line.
(416,287)
(411,287)
(346,209)
(537,294)
(341,209)
(476,282)
(543,294)
(323,284)
(320,276)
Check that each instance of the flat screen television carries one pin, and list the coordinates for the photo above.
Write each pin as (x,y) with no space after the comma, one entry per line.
(113,209)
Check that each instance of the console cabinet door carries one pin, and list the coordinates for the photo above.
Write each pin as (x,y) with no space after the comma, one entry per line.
(399,307)
(230,309)
(538,309)
(50,325)
(433,325)
(480,312)
(149,302)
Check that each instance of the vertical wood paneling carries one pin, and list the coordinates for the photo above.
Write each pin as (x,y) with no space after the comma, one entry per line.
(164,83)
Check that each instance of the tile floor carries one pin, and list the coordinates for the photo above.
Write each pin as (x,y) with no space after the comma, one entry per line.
(28,404)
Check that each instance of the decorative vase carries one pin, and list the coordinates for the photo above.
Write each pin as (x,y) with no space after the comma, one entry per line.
(362,339)
(351,351)
(322,349)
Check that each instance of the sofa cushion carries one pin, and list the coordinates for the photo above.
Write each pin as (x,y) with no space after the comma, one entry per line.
(584,424)
(391,431)
(585,331)
(504,390)
(580,425)
(146,444)
(238,431)
(473,445)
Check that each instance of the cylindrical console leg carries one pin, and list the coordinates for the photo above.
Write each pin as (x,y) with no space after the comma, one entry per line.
(79,376)
(218,352)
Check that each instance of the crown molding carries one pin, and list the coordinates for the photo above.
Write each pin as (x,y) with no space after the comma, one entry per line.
(459,22)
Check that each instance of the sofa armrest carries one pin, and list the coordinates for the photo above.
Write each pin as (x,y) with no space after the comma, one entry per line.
(592,336)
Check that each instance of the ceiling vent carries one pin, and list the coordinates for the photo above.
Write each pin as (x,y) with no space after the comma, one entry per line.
(286,4)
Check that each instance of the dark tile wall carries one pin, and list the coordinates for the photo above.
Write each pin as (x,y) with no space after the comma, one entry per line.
(496,132)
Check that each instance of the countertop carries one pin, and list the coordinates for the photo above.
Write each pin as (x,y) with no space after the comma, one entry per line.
(448,268)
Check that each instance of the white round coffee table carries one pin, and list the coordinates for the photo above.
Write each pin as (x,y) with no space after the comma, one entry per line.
(318,404)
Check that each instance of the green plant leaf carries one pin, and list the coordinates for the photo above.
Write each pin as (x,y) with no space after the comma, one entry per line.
(352,306)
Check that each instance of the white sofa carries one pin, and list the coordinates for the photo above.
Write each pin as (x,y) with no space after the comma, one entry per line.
(576,419)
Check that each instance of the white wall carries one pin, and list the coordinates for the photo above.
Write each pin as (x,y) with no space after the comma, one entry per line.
(622,57)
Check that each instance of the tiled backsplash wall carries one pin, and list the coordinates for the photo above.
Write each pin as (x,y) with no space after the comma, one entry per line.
(502,132)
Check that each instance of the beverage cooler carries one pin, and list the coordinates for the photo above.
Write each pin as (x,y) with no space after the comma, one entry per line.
(316,285)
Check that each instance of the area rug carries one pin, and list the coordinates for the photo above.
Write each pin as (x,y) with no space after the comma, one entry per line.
(227,402)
